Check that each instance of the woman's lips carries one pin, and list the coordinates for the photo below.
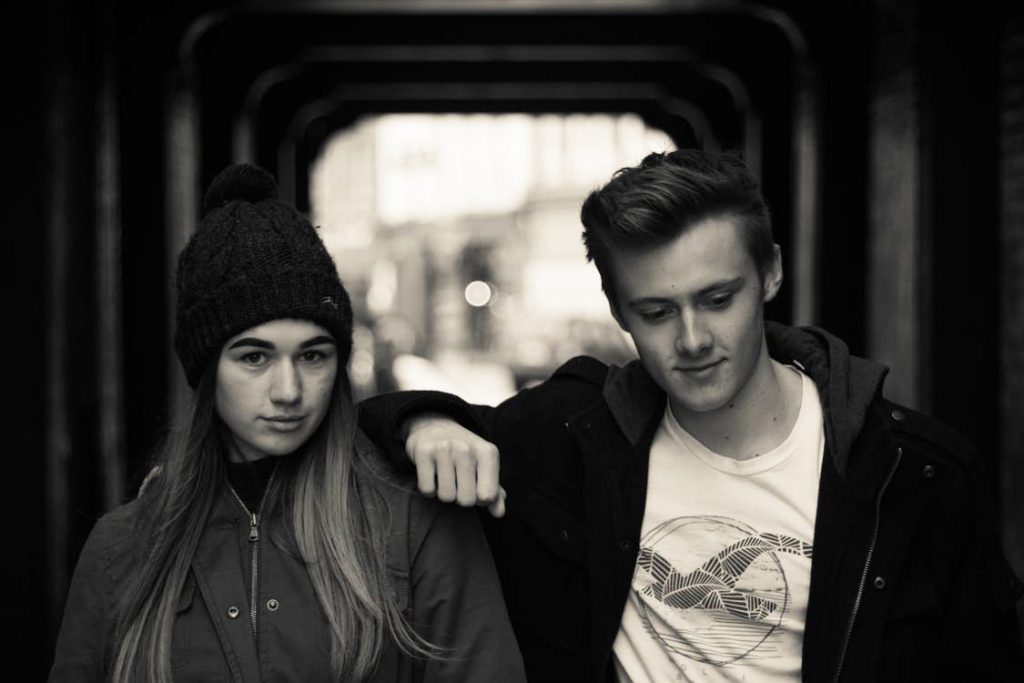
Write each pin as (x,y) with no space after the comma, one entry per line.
(284,423)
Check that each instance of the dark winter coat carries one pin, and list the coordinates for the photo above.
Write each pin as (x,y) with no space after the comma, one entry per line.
(907,581)
(439,569)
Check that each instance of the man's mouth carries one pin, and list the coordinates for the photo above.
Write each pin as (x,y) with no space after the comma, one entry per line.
(703,367)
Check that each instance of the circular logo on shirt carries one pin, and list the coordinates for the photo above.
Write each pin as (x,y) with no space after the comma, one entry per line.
(712,589)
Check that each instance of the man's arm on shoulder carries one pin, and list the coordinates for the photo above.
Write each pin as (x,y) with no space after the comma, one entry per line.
(385,417)
(444,439)
(451,443)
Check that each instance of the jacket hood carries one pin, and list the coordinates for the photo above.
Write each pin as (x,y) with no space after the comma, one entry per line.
(847,385)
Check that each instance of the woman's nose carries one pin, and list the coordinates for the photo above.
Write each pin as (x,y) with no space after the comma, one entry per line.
(287,384)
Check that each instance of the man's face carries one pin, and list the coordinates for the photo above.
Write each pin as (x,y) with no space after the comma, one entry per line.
(694,309)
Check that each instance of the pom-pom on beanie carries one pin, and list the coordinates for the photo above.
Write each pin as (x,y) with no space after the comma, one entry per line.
(253,259)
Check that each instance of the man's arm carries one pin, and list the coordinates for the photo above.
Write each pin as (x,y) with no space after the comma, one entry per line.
(444,438)
(453,463)
(451,443)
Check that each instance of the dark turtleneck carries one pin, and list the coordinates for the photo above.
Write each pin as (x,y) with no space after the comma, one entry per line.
(249,479)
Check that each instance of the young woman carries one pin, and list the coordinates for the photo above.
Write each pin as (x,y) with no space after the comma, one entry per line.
(266,545)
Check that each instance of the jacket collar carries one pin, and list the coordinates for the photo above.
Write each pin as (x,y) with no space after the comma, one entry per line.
(846,384)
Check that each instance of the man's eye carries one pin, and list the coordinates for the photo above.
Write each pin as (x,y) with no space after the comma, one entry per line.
(656,314)
(719,301)
(254,358)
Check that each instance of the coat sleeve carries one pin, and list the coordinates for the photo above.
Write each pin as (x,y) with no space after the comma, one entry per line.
(382,418)
(83,640)
(457,600)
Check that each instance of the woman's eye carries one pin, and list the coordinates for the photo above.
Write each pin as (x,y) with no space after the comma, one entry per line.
(313,356)
(254,358)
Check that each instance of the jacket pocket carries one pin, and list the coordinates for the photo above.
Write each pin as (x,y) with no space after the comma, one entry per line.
(907,640)
(398,584)
(182,630)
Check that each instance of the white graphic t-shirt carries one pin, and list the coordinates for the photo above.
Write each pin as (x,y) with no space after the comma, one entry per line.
(722,577)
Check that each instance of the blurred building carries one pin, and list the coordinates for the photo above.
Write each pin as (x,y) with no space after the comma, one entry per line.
(460,233)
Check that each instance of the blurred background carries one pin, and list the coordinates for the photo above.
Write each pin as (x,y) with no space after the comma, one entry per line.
(444,148)
(458,237)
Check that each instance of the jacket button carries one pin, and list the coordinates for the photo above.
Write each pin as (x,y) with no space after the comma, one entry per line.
(566,425)
(273,604)
(879,582)
(898,415)
(563,534)
(928,471)
(233,612)
(624,545)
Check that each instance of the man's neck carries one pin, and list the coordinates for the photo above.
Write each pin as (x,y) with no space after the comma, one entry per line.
(757,420)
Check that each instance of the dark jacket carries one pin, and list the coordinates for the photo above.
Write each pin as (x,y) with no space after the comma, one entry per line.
(440,572)
(907,581)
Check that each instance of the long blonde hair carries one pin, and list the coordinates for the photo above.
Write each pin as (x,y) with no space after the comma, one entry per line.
(339,524)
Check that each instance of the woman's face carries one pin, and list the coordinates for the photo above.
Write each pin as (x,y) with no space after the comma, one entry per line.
(274,384)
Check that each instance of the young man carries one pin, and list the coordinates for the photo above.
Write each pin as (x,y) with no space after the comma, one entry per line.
(742,504)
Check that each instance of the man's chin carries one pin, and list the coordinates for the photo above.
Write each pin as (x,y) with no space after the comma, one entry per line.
(699,405)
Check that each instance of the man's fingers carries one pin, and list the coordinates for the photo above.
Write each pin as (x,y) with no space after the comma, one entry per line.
(445,467)
(454,464)
(465,474)
(497,508)
(486,473)
(426,474)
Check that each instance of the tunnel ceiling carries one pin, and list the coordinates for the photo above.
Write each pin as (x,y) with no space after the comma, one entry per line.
(295,79)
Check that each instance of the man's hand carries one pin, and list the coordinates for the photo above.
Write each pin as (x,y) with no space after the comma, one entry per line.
(453,463)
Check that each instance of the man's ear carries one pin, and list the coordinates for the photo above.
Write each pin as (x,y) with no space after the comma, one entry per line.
(773,276)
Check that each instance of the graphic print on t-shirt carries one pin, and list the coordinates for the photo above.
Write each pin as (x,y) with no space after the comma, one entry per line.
(713,589)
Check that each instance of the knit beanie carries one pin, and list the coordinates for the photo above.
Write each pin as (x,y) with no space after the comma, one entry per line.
(253,259)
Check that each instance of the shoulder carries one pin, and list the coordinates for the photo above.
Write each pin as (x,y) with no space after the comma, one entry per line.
(928,435)
(400,497)
(585,369)
(113,534)
(108,555)
(422,519)
(426,527)
(573,386)
(83,643)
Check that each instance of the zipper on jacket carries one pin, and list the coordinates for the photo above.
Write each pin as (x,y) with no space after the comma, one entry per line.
(254,537)
(867,565)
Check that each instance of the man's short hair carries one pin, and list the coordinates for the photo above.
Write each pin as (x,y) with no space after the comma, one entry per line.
(653,203)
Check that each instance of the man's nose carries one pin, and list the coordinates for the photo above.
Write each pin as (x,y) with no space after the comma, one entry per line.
(286,386)
(693,337)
